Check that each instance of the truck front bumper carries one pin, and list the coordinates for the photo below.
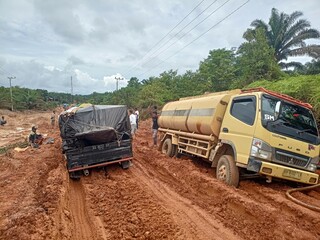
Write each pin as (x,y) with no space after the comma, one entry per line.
(283,172)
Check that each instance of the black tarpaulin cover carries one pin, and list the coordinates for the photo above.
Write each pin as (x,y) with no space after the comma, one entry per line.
(95,123)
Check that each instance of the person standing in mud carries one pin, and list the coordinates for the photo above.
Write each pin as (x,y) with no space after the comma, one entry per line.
(133,122)
(53,119)
(155,126)
(136,112)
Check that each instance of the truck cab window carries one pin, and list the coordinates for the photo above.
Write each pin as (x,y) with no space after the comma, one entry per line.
(244,109)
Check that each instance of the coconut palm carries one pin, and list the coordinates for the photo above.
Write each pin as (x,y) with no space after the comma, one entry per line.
(287,35)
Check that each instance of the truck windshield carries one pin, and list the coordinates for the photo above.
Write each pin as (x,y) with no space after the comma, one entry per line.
(293,120)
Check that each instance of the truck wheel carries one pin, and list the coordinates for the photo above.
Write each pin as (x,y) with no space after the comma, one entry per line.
(175,151)
(125,164)
(167,147)
(227,171)
(75,175)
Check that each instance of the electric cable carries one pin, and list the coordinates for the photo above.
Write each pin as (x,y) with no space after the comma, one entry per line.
(201,35)
(191,29)
(185,28)
(150,50)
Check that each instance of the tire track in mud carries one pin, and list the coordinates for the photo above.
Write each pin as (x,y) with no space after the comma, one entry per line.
(197,223)
(82,226)
(127,209)
(75,219)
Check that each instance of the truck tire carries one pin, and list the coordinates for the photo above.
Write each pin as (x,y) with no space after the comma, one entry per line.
(175,151)
(75,176)
(167,148)
(125,164)
(227,171)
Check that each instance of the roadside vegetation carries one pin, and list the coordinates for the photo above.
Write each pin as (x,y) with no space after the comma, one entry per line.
(260,61)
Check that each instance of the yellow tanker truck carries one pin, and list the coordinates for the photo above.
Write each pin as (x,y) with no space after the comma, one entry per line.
(254,132)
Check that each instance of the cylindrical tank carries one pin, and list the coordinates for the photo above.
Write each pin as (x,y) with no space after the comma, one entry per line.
(199,114)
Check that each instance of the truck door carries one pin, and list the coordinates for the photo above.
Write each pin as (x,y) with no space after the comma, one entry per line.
(238,126)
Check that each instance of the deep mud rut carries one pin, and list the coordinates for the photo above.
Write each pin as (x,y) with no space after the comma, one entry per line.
(156,198)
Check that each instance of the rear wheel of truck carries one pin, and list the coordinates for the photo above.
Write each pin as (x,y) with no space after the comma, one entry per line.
(167,148)
(75,175)
(125,164)
(227,171)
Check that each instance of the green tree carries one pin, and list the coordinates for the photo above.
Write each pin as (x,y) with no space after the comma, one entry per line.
(255,61)
(218,70)
(313,67)
(155,93)
(189,84)
(287,35)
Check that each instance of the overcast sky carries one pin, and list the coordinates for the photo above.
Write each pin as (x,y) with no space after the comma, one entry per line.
(45,42)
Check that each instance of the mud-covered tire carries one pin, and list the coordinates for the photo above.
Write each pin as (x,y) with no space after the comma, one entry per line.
(175,151)
(125,164)
(227,171)
(75,176)
(167,147)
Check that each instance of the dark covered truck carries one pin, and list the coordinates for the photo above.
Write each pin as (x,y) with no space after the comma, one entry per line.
(95,136)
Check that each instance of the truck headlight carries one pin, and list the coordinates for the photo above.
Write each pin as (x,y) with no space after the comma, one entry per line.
(261,149)
(312,167)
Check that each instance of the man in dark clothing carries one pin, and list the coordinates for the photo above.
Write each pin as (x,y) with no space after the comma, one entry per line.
(2,121)
(155,127)
(35,139)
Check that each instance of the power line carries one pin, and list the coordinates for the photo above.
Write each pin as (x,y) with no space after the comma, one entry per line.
(4,71)
(185,28)
(190,30)
(132,67)
(197,37)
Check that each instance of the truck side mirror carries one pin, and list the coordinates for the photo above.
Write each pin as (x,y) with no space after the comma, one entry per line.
(277,110)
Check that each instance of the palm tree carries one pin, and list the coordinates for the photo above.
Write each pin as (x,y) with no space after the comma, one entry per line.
(287,35)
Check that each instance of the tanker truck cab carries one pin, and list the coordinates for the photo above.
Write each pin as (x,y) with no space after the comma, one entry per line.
(271,134)
(255,131)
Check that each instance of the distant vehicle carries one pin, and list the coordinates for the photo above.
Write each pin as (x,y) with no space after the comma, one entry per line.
(95,136)
(245,132)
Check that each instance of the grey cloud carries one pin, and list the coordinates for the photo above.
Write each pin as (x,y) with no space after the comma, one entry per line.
(75,61)
(60,15)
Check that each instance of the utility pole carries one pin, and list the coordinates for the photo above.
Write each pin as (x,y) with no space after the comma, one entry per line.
(117,79)
(71,90)
(10,78)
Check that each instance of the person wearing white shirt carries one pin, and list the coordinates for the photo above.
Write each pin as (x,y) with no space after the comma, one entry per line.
(133,122)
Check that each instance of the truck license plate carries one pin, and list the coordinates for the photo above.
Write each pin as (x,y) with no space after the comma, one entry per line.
(291,174)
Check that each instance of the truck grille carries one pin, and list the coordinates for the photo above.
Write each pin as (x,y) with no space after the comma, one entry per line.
(291,159)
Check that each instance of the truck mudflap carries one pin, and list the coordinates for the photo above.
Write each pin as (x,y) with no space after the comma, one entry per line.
(283,172)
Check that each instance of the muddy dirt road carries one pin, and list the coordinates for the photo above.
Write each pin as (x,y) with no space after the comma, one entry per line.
(157,198)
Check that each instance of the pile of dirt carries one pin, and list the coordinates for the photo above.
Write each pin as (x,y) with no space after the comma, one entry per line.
(156,198)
